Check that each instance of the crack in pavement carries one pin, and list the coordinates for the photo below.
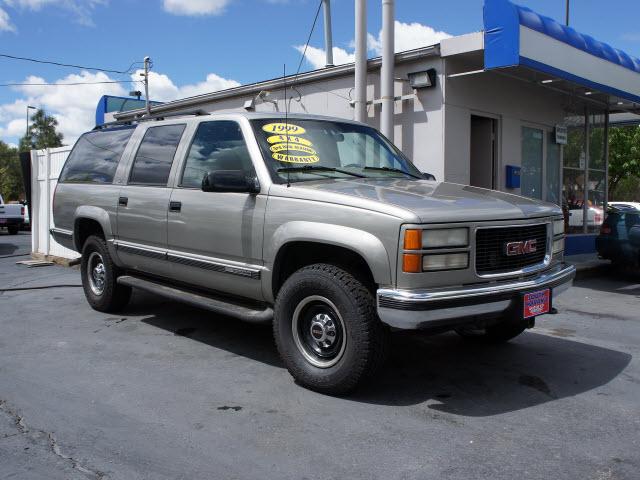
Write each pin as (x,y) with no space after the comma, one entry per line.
(24,429)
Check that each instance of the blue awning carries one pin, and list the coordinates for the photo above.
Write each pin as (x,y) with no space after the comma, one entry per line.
(517,36)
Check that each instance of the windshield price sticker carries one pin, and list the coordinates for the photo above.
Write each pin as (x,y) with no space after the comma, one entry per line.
(281,157)
(288,141)
(281,147)
(288,138)
(284,128)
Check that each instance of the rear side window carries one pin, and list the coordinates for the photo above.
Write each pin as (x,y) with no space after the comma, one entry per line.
(217,145)
(95,156)
(155,155)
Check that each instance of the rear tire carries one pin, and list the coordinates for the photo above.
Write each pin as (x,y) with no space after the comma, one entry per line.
(327,330)
(13,229)
(501,332)
(99,277)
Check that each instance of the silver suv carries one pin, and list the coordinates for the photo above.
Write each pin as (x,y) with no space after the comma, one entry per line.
(318,225)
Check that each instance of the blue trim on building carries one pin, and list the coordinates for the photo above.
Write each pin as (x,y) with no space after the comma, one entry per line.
(501,34)
(574,78)
(568,35)
(502,20)
(577,244)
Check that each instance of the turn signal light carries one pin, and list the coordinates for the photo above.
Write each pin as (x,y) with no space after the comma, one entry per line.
(413,239)
(411,263)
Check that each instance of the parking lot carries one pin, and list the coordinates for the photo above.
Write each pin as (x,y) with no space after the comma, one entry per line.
(166,391)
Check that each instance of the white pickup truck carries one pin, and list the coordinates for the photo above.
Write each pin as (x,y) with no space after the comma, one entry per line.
(12,216)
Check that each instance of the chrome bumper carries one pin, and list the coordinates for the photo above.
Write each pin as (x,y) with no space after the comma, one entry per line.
(414,309)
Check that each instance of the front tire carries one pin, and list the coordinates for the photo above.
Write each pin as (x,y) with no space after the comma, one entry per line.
(327,330)
(99,277)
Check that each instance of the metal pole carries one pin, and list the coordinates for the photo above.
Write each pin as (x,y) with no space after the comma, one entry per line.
(567,13)
(606,163)
(587,154)
(388,60)
(328,36)
(360,90)
(146,84)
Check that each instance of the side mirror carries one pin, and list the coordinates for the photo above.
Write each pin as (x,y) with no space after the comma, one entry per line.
(230,181)
(428,176)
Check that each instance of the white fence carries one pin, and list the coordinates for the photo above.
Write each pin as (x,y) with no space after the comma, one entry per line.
(45,169)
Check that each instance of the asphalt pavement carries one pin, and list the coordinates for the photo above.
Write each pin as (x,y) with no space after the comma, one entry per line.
(166,391)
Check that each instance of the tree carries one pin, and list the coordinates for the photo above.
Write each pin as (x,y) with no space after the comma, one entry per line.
(42,133)
(11,186)
(624,156)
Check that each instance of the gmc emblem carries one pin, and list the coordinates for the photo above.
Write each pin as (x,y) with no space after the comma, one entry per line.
(520,248)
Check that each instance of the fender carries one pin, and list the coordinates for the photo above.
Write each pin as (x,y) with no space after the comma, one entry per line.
(102,217)
(368,246)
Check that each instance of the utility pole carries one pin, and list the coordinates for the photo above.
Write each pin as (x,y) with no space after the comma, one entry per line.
(567,14)
(387,70)
(328,36)
(147,61)
(360,91)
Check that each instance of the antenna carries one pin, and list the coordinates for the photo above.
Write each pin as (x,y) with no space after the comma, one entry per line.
(286,118)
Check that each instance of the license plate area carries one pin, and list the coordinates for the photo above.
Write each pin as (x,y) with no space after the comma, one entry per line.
(536,303)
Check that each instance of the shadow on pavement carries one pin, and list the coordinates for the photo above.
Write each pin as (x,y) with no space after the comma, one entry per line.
(461,377)
(614,281)
(6,246)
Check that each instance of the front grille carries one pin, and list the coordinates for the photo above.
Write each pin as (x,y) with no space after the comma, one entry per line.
(491,256)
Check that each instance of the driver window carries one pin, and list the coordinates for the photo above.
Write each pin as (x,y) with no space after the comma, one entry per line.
(216,145)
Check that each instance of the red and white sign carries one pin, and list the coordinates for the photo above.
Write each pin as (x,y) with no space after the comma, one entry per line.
(537,303)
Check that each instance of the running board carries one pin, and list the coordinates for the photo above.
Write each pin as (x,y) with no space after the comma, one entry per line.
(197,299)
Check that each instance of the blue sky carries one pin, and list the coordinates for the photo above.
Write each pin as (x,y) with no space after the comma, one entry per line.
(202,45)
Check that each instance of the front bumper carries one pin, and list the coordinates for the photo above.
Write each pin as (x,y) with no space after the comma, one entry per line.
(450,306)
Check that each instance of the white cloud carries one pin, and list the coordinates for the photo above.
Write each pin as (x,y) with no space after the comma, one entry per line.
(74,106)
(195,7)
(5,22)
(316,56)
(162,88)
(407,37)
(81,9)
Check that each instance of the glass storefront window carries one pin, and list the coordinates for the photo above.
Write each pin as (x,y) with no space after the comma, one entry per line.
(553,169)
(584,166)
(531,169)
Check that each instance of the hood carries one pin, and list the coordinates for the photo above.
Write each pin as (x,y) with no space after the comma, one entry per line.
(430,202)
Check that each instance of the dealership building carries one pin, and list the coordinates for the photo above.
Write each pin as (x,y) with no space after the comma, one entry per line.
(522,107)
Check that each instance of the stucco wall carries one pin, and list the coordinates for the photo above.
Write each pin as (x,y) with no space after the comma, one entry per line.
(418,122)
(513,102)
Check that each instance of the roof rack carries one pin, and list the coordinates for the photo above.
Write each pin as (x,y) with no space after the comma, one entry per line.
(157,117)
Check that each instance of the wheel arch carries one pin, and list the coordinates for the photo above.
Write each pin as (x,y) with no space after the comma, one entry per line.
(299,243)
(90,221)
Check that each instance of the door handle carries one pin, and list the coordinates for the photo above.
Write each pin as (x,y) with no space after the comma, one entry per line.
(175,206)
(123,201)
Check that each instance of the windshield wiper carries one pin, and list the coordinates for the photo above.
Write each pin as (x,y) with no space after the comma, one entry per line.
(318,168)
(389,169)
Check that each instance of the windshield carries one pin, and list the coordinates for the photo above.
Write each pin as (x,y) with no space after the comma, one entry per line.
(302,150)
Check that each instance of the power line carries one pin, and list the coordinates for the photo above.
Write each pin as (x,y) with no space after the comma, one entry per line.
(70,65)
(64,84)
(304,52)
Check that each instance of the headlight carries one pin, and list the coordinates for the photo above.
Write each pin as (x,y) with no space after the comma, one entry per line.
(558,227)
(445,261)
(558,246)
(446,237)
